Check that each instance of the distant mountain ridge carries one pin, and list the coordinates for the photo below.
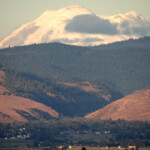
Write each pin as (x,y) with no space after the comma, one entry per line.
(78,26)
(134,107)
(125,66)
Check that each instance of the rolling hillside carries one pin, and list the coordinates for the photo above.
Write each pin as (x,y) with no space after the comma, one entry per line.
(68,99)
(14,109)
(134,107)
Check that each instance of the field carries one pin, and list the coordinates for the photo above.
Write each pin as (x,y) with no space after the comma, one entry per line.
(73,148)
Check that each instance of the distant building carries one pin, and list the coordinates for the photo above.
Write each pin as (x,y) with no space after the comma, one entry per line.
(132,148)
(69,146)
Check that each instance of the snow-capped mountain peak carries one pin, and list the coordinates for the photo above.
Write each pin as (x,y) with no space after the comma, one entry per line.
(64,12)
(132,13)
(78,26)
(75,8)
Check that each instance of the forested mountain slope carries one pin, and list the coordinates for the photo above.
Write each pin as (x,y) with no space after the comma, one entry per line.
(123,65)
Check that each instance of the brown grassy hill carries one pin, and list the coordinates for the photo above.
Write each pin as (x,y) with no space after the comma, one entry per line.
(89,87)
(132,107)
(14,108)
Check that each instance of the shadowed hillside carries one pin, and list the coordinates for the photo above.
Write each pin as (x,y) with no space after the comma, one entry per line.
(67,100)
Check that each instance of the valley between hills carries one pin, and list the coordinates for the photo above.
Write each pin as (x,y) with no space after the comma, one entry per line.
(55,93)
(32,98)
(102,77)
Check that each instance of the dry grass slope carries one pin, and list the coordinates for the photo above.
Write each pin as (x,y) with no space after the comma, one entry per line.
(9,105)
(131,108)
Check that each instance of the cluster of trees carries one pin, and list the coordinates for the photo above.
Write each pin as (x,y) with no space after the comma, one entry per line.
(81,131)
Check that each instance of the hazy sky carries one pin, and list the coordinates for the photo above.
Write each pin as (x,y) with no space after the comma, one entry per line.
(14,13)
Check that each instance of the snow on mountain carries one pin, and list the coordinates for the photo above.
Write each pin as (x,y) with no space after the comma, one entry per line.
(78,26)
(133,24)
